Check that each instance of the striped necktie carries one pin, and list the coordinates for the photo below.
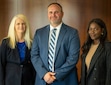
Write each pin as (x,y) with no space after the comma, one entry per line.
(51,53)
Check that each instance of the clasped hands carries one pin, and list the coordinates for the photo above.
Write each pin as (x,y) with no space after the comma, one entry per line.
(49,77)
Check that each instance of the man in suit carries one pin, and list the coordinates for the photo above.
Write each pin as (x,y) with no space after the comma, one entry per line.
(66,51)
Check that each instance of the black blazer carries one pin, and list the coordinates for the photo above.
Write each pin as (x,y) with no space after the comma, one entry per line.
(99,72)
(12,72)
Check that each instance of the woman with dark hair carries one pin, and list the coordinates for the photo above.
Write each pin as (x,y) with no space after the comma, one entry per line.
(96,55)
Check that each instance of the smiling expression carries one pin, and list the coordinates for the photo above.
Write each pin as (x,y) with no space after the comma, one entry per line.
(20,26)
(95,31)
(55,14)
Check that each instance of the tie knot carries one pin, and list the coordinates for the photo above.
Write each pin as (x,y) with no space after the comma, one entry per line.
(54,30)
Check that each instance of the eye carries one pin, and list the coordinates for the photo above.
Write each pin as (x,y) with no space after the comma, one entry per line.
(17,23)
(23,23)
(50,12)
(95,29)
(56,12)
(90,29)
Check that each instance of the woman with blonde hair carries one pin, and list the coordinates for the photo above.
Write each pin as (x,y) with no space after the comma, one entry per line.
(15,65)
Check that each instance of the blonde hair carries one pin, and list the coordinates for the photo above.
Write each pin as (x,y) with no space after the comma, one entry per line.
(12,35)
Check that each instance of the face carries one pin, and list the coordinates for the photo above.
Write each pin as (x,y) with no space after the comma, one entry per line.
(55,15)
(95,31)
(20,26)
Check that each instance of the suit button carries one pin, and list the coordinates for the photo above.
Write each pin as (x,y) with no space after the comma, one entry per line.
(94,78)
(95,69)
(28,61)
(21,66)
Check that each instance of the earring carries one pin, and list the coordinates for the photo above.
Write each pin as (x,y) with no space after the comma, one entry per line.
(101,33)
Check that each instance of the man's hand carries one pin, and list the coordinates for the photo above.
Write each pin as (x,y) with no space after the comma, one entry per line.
(49,77)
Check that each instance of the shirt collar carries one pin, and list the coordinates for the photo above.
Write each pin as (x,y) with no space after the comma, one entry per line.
(58,27)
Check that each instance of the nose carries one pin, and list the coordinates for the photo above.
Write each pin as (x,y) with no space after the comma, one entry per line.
(91,31)
(53,14)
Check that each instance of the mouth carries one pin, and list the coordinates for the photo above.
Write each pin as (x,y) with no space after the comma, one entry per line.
(92,35)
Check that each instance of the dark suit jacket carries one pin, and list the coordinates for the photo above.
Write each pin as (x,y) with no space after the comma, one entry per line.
(12,72)
(99,72)
(67,53)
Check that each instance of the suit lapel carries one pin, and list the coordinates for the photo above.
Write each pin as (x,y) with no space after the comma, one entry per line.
(94,58)
(60,38)
(45,39)
(16,53)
